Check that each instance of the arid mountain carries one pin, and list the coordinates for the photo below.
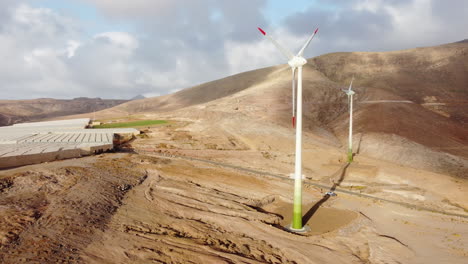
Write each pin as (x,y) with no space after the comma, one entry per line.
(15,111)
(197,95)
(418,95)
(137,97)
(434,77)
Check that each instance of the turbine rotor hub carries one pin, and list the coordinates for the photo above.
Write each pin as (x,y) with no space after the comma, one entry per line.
(297,61)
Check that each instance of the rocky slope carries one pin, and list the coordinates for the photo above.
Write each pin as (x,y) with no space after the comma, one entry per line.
(16,111)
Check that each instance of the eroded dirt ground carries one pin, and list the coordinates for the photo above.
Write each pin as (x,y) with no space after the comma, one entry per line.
(160,205)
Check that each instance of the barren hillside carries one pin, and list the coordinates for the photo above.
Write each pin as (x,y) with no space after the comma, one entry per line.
(16,111)
(419,95)
(435,77)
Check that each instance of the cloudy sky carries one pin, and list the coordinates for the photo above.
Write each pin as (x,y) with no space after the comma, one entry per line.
(122,48)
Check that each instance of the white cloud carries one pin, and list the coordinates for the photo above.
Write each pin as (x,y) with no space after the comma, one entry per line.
(48,57)
(32,43)
(383,25)
(414,21)
(52,57)
(176,44)
(137,7)
(121,39)
(368,5)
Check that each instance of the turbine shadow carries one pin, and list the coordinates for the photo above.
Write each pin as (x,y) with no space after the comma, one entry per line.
(359,145)
(317,205)
(342,173)
(314,209)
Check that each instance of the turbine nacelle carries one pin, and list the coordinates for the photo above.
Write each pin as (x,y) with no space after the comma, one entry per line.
(349,92)
(294,61)
(297,61)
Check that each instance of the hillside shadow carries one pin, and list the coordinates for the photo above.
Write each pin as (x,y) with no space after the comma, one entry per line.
(327,196)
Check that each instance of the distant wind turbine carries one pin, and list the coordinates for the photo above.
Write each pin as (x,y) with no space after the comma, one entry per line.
(296,63)
(350,94)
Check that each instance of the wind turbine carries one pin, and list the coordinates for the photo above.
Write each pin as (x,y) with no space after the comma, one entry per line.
(350,94)
(296,63)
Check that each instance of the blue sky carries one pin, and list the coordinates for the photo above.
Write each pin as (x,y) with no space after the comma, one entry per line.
(277,10)
(94,21)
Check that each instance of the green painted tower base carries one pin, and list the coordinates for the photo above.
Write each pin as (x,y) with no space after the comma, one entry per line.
(350,156)
(297,214)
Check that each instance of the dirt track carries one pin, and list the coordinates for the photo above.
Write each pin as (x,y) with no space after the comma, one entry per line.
(284,177)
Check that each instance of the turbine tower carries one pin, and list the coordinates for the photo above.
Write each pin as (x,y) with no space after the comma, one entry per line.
(350,94)
(296,63)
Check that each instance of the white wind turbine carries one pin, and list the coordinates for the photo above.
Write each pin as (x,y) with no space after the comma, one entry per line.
(350,94)
(296,62)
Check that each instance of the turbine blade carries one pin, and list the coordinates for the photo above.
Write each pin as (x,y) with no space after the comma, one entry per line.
(293,91)
(351,84)
(293,97)
(301,52)
(285,52)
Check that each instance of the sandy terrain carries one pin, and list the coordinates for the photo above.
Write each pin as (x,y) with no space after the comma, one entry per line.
(228,205)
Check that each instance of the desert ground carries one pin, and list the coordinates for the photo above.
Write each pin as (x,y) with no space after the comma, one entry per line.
(176,196)
(213,185)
